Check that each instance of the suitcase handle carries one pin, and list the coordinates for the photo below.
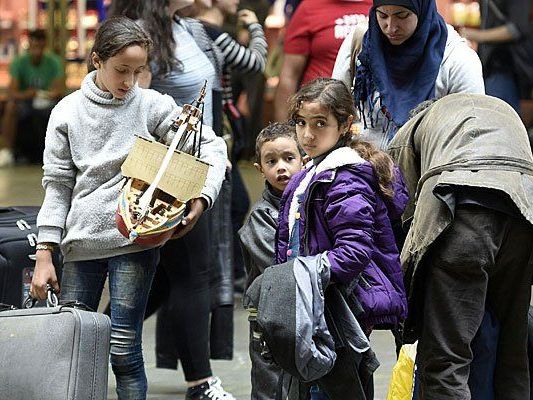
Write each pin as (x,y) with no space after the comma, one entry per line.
(51,299)
(76,304)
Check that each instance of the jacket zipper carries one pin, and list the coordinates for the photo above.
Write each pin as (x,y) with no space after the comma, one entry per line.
(307,207)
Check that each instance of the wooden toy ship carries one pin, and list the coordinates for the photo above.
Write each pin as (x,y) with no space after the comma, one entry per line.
(161,180)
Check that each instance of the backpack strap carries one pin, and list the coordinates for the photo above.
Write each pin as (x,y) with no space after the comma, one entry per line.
(357,46)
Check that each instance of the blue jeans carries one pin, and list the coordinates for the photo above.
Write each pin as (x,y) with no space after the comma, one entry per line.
(317,394)
(504,86)
(130,278)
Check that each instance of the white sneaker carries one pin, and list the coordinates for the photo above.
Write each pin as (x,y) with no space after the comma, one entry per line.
(7,158)
(210,390)
(215,385)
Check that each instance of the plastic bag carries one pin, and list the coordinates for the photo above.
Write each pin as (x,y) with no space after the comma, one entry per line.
(402,380)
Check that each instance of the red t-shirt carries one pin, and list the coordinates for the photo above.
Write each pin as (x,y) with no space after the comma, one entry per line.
(317,30)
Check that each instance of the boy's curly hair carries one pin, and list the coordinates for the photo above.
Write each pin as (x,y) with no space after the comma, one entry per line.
(270,133)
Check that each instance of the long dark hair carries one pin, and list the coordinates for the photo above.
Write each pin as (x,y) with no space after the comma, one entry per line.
(154,17)
(127,8)
(114,35)
(335,96)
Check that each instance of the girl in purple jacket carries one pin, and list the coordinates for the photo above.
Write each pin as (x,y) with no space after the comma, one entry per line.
(343,202)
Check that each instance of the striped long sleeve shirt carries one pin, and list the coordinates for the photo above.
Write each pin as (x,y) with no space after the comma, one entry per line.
(247,59)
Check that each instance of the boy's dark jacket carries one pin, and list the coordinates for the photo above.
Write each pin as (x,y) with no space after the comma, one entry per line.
(345,215)
(257,235)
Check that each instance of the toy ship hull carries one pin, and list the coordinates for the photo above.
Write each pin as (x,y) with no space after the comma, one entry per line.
(155,229)
(162,179)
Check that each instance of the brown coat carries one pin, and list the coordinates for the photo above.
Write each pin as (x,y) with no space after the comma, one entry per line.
(463,140)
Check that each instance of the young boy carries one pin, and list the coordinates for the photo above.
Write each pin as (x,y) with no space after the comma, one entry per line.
(277,158)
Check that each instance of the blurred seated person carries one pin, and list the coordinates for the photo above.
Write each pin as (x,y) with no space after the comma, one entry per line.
(36,84)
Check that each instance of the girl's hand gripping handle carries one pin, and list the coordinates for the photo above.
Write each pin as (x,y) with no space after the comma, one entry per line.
(43,274)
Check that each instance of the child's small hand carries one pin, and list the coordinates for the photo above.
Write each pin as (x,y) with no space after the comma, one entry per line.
(197,207)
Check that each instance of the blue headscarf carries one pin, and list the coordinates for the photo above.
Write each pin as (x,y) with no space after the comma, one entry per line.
(405,74)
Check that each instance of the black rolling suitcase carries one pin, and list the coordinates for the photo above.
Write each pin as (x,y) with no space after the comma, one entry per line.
(18,237)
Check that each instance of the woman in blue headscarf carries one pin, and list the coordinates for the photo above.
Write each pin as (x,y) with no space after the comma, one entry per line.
(408,55)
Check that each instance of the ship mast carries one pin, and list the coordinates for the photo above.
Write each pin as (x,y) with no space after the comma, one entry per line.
(146,199)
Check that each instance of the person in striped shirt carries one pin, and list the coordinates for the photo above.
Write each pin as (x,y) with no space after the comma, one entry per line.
(244,59)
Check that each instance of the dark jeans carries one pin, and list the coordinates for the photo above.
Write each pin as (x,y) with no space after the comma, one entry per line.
(182,329)
(484,257)
(240,204)
(253,83)
(484,350)
(317,394)
(31,131)
(130,277)
(504,86)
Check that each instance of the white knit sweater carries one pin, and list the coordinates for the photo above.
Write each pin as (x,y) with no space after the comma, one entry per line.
(88,138)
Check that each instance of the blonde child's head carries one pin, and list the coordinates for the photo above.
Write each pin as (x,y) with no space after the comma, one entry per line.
(277,154)
(119,55)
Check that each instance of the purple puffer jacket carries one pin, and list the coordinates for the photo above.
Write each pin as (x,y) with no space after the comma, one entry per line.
(344,214)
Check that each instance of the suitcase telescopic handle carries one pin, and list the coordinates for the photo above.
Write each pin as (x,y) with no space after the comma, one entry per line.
(51,299)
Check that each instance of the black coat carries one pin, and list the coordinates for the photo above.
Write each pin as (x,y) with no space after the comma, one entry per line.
(518,16)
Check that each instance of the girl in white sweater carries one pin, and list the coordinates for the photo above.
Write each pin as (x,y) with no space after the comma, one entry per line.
(89,135)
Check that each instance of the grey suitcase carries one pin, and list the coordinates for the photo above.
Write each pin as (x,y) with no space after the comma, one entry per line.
(59,353)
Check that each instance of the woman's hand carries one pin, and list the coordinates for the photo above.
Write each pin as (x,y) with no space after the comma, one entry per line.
(43,274)
(247,17)
(197,207)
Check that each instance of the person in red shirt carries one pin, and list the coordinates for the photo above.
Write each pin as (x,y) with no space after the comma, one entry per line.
(314,35)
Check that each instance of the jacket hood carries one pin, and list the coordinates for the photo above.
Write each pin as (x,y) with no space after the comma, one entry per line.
(397,204)
(349,158)
(340,157)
